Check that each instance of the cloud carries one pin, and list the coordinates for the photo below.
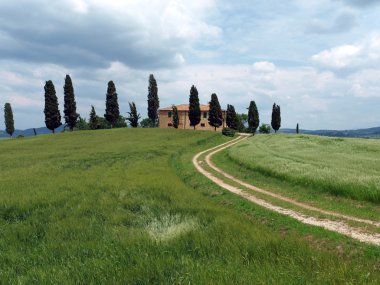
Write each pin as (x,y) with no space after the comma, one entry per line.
(93,33)
(305,94)
(360,3)
(344,22)
(264,66)
(351,56)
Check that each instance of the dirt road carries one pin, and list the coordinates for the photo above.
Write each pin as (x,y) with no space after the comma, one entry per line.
(339,226)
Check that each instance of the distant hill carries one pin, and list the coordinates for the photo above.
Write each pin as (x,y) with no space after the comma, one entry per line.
(373,133)
(30,132)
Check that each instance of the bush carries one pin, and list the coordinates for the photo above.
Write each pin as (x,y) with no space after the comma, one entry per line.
(228,132)
(265,129)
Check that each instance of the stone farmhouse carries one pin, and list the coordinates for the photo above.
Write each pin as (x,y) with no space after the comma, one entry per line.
(166,118)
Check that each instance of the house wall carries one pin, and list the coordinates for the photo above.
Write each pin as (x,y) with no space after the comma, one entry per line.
(184,122)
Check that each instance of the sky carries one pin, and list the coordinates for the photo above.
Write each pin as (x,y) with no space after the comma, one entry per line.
(318,59)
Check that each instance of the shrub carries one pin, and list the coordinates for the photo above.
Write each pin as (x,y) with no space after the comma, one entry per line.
(228,132)
(264,129)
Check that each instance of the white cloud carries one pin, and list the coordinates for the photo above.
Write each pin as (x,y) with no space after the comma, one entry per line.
(264,66)
(363,54)
(339,57)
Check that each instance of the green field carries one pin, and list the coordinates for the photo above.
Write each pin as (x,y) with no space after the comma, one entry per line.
(126,206)
(342,167)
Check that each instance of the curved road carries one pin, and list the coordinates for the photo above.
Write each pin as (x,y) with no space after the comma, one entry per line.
(332,225)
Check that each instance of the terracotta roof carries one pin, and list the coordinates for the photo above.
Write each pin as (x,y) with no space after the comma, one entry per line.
(185,107)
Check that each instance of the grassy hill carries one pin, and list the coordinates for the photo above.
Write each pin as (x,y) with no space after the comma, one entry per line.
(126,206)
(346,167)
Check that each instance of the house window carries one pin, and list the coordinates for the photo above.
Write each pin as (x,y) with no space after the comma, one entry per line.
(169,114)
(202,125)
(205,115)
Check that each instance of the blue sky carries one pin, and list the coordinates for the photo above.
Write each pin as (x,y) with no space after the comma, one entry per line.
(318,59)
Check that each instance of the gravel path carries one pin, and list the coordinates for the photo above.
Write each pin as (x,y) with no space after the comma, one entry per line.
(336,226)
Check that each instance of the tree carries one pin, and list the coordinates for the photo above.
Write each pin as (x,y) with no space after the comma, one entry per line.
(232,118)
(145,123)
(276,118)
(93,123)
(8,119)
(70,108)
(133,116)
(253,117)
(194,108)
(103,124)
(297,129)
(52,114)
(153,101)
(112,105)
(82,124)
(242,122)
(264,129)
(175,117)
(121,122)
(215,117)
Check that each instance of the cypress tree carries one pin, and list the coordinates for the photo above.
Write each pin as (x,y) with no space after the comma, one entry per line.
(194,108)
(133,116)
(52,114)
(112,105)
(175,117)
(70,108)
(232,119)
(253,117)
(153,101)
(8,119)
(215,117)
(94,119)
(276,118)
(297,129)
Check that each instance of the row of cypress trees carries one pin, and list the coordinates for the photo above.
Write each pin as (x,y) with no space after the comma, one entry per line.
(112,113)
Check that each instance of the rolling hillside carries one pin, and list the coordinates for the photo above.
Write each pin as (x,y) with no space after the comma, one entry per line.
(126,206)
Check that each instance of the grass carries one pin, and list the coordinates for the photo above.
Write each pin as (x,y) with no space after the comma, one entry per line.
(126,206)
(342,167)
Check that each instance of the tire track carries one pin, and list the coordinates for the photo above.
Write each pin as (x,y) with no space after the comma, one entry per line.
(336,226)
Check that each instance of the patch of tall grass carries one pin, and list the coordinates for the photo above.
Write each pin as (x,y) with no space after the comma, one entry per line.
(342,167)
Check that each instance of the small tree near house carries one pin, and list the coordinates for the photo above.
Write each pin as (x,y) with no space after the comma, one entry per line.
(232,119)
(153,101)
(175,117)
(215,117)
(194,107)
